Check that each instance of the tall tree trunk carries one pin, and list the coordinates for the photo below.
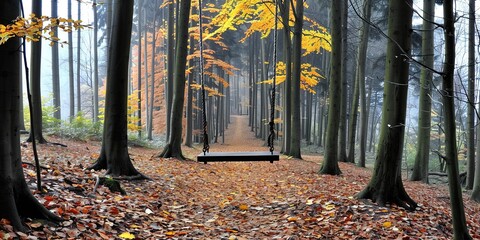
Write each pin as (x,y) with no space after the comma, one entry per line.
(35,82)
(16,200)
(152,79)
(460,230)
(189,112)
(373,128)
(471,97)
(79,59)
(173,148)
(386,184)
(114,153)
(352,129)
(55,67)
(95,62)
(139,67)
(330,162)
(71,79)
(295,134)
(287,53)
(170,64)
(361,59)
(342,152)
(420,167)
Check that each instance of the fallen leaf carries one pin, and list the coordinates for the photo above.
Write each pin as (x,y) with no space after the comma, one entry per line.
(126,235)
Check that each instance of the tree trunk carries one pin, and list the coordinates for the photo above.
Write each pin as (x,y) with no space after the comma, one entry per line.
(55,67)
(173,148)
(35,82)
(170,65)
(95,62)
(79,59)
(16,200)
(420,167)
(330,162)
(342,151)
(71,80)
(460,230)
(361,59)
(471,97)
(139,67)
(189,110)
(114,153)
(287,51)
(295,136)
(386,184)
(352,130)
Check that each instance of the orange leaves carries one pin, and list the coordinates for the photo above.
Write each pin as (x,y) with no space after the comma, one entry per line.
(34,28)
(309,77)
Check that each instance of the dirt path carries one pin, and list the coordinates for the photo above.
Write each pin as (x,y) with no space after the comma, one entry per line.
(239,137)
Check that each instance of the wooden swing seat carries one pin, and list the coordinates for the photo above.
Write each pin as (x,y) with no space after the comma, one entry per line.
(238,157)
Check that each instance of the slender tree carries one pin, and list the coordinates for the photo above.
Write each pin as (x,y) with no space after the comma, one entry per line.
(35,82)
(79,58)
(170,63)
(16,200)
(330,162)
(284,7)
(460,230)
(295,135)
(420,168)
(471,97)
(360,77)
(55,66)
(71,80)
(386,184)
(95,62)
(342,133)
(114,153)
(173,148)
(139,66)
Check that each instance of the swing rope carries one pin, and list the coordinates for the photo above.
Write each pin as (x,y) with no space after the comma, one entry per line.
(206,146)
(271,137)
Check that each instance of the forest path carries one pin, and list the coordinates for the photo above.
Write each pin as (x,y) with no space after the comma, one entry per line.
(238,137)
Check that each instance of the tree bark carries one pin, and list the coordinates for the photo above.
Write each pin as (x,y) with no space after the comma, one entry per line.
(420,167)
(173,148)
(16,200)
(170,65)
(114,153)
(386,184)
(287,50)
(330,162)
(55,67)
(95,62)
(362,57)
(79,59)
(471,97)
(342,133)
(460,230)
(295,136)
(35,82)
(71,80)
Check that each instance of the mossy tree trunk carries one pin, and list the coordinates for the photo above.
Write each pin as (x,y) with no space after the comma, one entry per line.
(386,184)
(295,133)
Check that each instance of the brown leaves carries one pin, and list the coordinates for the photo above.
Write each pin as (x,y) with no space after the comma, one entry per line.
(228,200)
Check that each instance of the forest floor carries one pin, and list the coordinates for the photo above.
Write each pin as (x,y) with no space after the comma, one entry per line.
(243,200)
